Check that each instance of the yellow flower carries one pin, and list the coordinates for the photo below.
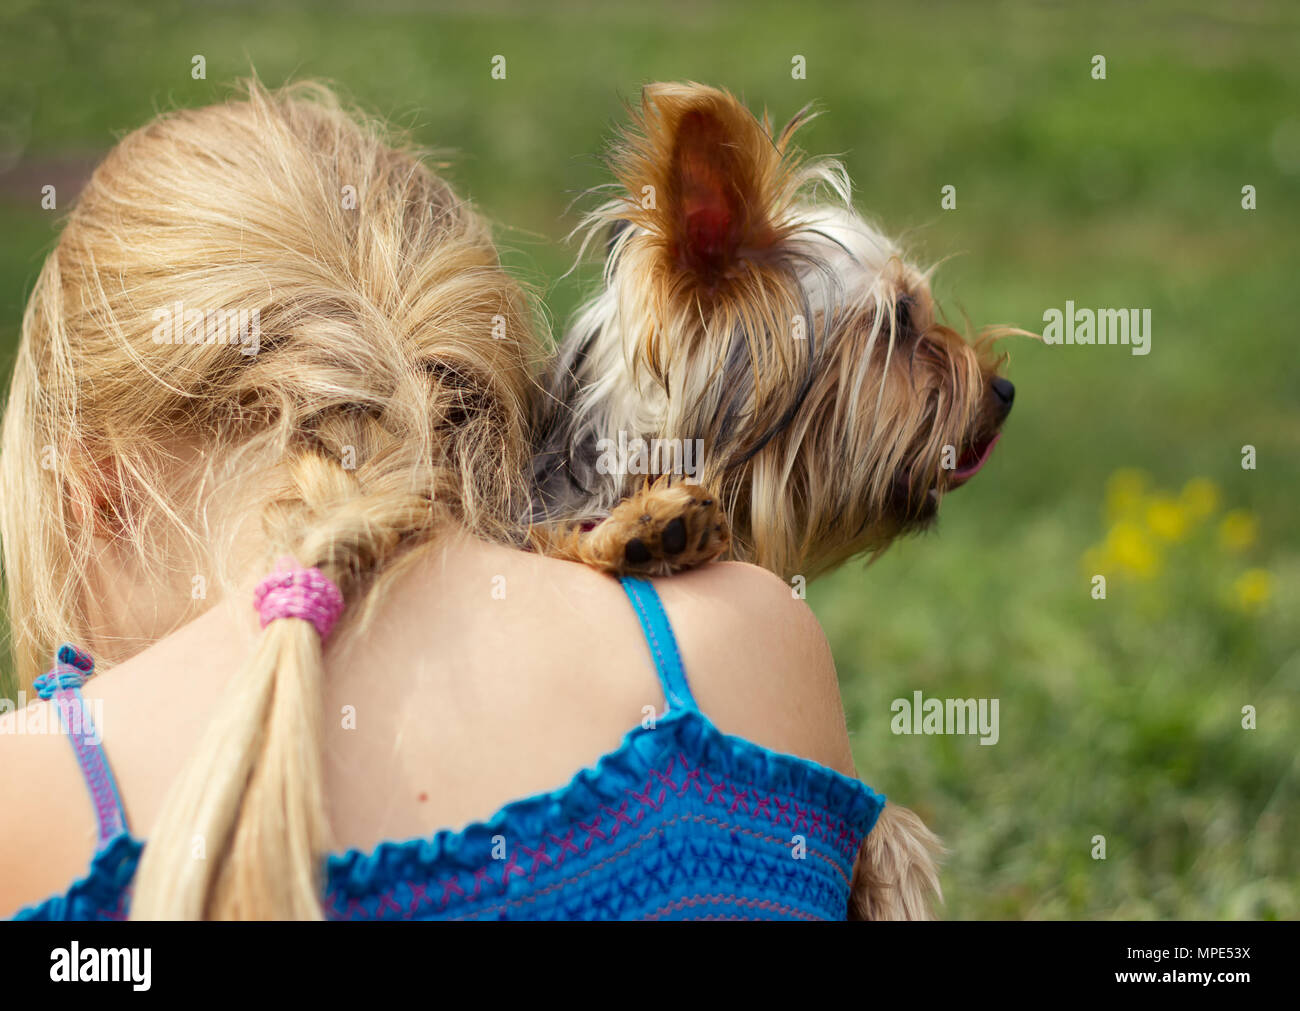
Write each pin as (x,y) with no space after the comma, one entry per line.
(1127,545)
(1166,519)
(1124,491)
(1200,498)
(1238,530)
(1252,589)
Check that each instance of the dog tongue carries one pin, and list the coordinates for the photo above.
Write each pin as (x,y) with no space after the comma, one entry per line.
(973,459)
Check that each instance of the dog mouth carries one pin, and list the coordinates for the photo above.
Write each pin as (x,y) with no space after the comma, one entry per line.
(970,463)
(972,460)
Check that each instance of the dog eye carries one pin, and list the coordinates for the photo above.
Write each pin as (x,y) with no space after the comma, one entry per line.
(903,307)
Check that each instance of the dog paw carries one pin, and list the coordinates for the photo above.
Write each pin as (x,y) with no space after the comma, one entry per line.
(663,528)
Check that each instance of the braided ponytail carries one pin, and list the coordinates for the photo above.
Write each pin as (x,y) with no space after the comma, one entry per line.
(264,811)
(382,406)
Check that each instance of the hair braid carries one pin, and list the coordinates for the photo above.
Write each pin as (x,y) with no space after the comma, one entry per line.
(388,401)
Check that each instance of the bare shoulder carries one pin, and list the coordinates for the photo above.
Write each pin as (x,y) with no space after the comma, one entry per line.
(145,718)
(758,661)
(47,835)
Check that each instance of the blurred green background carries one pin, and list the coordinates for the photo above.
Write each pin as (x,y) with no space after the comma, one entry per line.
(1119,717)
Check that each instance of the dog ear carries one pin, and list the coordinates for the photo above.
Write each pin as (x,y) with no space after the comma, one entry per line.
(703,176)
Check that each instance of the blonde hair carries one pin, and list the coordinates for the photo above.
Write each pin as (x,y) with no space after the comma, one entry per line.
(381,406)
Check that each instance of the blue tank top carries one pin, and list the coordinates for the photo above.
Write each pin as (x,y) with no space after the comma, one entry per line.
(680,822)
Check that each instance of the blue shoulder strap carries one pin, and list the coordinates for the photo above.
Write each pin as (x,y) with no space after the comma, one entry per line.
(62,686)
(663,645)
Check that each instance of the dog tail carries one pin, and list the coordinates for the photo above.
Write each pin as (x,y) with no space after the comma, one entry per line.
(897,876)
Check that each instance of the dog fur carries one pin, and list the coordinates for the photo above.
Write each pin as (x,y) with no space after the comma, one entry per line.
(748,306)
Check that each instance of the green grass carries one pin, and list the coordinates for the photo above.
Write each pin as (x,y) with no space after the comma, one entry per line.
(1120,717)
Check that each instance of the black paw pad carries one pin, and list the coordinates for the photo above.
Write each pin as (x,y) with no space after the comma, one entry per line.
(636,552)
(673,538)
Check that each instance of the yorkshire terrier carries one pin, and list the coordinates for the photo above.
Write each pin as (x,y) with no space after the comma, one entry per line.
(748,310)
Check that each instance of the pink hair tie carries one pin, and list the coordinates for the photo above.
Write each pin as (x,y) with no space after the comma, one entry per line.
(295,592)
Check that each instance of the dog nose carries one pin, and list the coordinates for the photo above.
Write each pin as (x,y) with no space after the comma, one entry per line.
(1005,391)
